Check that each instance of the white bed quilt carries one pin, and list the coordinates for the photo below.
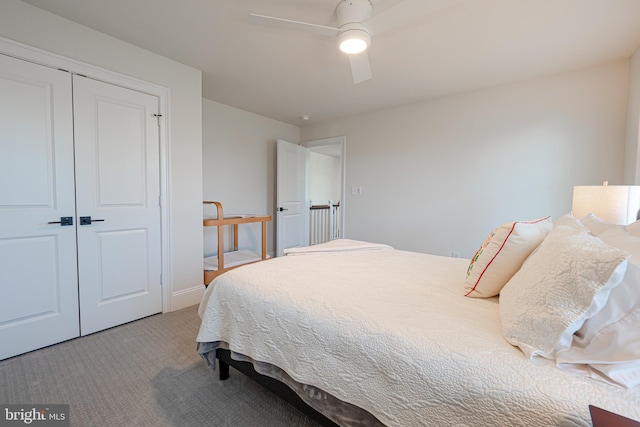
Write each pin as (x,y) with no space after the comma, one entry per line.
(391,332)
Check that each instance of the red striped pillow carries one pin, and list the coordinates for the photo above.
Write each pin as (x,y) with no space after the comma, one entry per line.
(501,255)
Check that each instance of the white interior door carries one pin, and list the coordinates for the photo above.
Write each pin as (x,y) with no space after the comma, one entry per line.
(292,196)
(118,187)
(38,277)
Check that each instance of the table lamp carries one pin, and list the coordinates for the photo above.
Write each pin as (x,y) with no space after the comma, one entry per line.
(616,204)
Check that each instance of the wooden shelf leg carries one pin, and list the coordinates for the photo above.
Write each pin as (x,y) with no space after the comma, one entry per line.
(264,240)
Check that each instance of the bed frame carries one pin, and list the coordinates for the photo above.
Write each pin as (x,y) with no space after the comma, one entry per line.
(280,389)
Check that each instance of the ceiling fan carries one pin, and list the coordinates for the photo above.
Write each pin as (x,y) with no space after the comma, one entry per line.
(356,22)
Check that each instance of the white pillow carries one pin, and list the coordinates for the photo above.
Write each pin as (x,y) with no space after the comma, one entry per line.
(596,225)
(634,228)
(566,281)
(609,342)
(622,239)
(502,254)
(571,221)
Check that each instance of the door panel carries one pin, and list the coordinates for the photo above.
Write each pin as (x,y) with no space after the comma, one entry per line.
(38,276)
(28,139)
(118,248)
(117,181)
(120,153)
(42,300)
(292,195)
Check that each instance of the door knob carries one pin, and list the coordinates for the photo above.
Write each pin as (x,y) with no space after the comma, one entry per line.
(280,209)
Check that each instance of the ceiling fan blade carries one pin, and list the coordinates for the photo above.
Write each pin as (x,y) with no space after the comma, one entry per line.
(360,67)
(401,13)
(288,24)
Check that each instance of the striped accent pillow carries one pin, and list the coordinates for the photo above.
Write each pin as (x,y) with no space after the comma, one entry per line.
(501,255)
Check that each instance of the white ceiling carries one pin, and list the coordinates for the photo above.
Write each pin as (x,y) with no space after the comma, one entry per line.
(468,45)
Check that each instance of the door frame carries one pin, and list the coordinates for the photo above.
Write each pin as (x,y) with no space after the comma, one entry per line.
(48,59)
(342,141)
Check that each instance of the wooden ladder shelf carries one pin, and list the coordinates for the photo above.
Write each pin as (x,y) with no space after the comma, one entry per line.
(225,261)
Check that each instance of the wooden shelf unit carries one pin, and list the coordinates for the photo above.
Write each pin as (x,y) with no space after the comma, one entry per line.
(234,258)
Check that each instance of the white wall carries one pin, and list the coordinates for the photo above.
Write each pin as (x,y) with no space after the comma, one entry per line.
(632,154)
(239,164)
(438,176)
(35,27)
(324,178)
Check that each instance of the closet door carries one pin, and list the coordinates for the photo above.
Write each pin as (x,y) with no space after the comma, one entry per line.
(118,187)
(38,277)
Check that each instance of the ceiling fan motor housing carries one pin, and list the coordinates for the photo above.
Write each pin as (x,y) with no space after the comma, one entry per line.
(353,12)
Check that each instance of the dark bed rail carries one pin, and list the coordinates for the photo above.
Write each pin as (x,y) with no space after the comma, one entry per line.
(273,385)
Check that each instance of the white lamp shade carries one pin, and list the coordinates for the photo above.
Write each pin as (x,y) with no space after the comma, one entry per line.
(617,204)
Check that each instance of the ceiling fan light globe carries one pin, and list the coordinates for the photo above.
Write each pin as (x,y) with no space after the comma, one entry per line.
(353,46)
(354,41)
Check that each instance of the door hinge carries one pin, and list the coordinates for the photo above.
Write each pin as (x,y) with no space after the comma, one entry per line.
(157,116)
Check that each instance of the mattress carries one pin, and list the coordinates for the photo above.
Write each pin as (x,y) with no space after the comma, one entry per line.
(390,331)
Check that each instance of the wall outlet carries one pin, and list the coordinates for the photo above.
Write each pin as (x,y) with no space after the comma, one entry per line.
(356,191)
(455,254)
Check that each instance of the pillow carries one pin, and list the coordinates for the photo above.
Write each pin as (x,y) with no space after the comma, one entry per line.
(622,239)
(609,342)
(569,220)
(634,228)
(565,282)
(502,254)
(598,225)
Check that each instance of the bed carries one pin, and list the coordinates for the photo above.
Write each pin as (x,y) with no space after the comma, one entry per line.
(365,334)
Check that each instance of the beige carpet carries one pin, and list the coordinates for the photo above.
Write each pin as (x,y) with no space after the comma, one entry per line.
(145,373)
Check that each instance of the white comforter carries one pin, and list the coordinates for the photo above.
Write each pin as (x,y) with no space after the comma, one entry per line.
(391,332)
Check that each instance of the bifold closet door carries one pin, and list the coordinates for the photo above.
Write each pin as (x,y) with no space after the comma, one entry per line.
(38,275)
(79,206)
(118,204)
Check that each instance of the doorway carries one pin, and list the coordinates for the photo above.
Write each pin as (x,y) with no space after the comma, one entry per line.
(327,170)
(293,207)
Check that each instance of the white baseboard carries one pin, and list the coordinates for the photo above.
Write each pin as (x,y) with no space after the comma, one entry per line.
(187,297)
